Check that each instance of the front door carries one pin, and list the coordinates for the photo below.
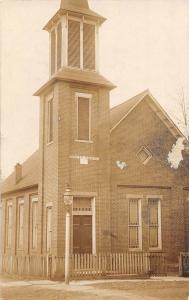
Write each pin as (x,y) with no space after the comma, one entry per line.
(82,234)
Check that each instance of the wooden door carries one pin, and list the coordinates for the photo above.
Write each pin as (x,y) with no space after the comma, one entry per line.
(82,234)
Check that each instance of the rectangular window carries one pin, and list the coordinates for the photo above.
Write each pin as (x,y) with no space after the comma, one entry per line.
(50,121)
(134,223)
(34,222)
(9,224)
(74,43)
(83,118)
(20,224)
(49,230)
(154,223)
(89,46)
(59,46)
(53,51)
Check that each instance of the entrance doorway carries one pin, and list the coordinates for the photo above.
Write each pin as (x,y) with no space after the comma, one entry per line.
(83,225)
(82,234)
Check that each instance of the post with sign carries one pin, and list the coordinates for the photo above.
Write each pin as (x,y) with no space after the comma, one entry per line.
(68,200)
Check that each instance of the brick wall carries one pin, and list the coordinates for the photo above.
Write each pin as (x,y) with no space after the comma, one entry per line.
(142,127)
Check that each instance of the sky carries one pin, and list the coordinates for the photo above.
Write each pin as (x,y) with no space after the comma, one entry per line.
(144,44)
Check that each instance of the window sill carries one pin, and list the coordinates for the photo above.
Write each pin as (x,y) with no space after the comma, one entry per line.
(135,249)
(155,249)
(84,141)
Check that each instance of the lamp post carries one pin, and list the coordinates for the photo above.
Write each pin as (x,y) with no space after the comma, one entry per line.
(68,200)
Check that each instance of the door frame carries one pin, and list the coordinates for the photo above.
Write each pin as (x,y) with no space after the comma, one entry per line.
(87,213)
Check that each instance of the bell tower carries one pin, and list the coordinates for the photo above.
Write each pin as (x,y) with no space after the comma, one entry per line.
(73,36)
(74,132)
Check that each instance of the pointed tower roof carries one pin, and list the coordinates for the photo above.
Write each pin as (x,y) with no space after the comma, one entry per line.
(65,4)
(74,6)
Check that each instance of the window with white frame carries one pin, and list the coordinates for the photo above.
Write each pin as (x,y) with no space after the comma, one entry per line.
(81,44)
(20,223)
(154,208)
(9,224)
(135,223)
(83,117)
(49,229)
(50,120)
(34,221)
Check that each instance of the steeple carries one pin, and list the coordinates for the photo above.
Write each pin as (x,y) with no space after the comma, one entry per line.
(74,4)
(73,38)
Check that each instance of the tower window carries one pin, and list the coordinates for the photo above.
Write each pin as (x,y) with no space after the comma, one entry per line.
(83,117)
(53,51)
(59,46)
(81,44)
(74,43)
(88,46)
(50,121)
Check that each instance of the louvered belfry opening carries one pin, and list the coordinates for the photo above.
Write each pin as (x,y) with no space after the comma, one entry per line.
(89,46)
(59,46)
(74,43)
(53,51)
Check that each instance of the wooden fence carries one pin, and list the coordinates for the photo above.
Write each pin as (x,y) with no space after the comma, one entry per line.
(86,265)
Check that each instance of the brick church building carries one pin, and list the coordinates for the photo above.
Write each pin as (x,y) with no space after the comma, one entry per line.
(126,196)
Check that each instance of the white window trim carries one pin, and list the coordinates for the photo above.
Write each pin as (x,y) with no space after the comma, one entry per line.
(159,197)
(9,204)
(89,97)
(147,151)
(91,213)
(139,197)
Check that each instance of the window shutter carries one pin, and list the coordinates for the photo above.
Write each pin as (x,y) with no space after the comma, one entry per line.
(83,119)
(89,46)
(59,46)
(53,45)
(73,43)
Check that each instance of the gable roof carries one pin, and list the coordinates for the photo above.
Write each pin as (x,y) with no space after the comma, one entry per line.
(30,175)
(120,112)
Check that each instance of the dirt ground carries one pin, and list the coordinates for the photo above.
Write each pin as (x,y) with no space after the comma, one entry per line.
(154,289)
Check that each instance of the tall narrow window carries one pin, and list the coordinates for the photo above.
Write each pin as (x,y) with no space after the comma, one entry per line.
(53,51)
(49,230)
(83,119)
(59,46)
(34,223)
(20,224)
(154,223)
(89,46)
(134,223)
(50,121)
(74,43)
(9,225)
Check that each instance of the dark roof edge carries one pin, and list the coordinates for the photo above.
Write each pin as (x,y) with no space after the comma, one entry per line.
(20,189)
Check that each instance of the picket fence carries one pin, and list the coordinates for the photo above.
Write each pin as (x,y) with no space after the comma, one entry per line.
(86,265)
